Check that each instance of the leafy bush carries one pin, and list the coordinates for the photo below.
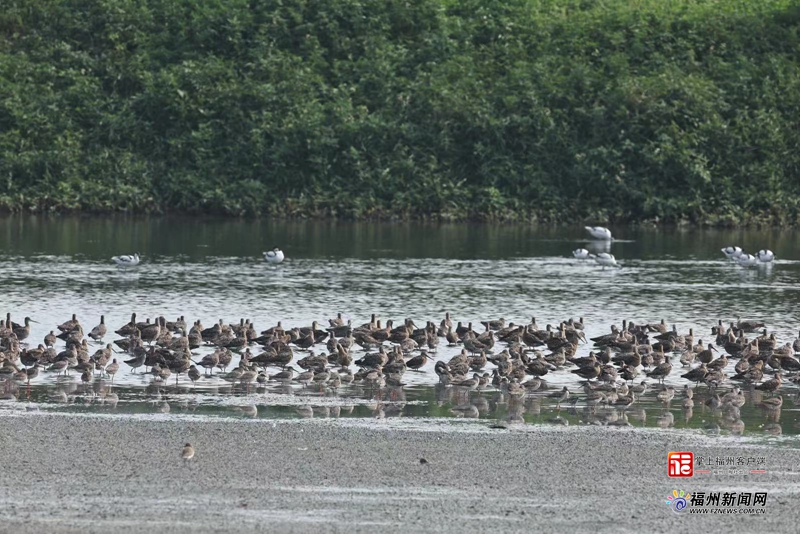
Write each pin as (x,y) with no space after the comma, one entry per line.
(553,110)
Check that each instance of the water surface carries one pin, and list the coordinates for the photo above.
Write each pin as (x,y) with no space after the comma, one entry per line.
(211,269)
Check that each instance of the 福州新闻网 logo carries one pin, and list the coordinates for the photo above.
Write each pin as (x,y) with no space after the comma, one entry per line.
(680,464)
(678,501)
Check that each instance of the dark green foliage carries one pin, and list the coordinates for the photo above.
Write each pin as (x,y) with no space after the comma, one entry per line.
(502,109)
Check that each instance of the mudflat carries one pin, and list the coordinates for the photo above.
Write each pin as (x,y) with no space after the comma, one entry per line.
(74,473)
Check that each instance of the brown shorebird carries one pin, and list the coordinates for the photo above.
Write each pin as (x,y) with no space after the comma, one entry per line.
(112,368)
(187,453)
(248,375)
(286,374)
(707,355)
(151,332)
(32,372)
(662,370)
(22,332)
(58,366)
(562,396)
(418,361)
(640,388)
(137,360)
(87,375)
(771,385)
(194,374)
(99,331)
(50,339)
(209,361)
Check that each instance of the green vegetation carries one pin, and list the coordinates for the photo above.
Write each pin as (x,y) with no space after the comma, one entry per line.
(554,110)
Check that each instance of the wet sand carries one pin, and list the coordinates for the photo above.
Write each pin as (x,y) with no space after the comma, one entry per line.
(123,474)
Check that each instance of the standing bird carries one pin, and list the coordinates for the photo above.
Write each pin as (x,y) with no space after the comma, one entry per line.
(562,396)
(50,339)
(662,370)
(284,375)
(151,332)
(209,361)
(32,372)
(588,372)
(112,368)
(187,453)
(138,359)
(274,256)
(418,361)
(698,374)
(87,375)
(194,374)
(706,356)
(58,366)
(22,332)
(99,331)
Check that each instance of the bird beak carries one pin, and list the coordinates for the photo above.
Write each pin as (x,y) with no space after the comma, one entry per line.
(714,349)
(31,320)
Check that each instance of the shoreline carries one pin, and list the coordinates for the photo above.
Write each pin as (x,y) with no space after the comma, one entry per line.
(88,473)
(436,219)
(429,424)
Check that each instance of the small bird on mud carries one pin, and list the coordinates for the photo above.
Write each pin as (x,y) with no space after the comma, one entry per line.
(187,453)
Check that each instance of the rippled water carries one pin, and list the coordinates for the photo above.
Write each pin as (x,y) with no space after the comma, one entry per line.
(211,269)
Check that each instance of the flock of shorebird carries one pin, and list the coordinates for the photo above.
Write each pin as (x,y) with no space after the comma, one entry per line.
(513,358)
(273,256)
(605,259)
(762,257)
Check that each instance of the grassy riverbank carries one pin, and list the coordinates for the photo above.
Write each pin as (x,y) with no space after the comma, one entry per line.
(549,110)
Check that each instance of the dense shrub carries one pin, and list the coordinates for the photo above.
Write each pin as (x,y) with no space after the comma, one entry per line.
(521,109)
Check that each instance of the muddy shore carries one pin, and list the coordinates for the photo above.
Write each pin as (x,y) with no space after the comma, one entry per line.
(65,473)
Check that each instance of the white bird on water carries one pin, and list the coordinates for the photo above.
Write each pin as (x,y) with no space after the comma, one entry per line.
(765,256)
(606,260)
(747,260)
(274,256)
(732,253)
(581,254)
(126,261)
(599,232)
